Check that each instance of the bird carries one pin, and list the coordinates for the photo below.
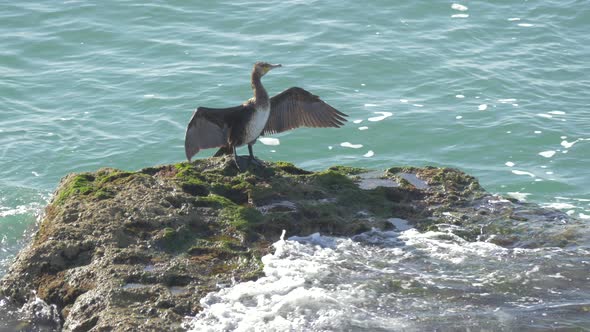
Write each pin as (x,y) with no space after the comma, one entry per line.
(229,128)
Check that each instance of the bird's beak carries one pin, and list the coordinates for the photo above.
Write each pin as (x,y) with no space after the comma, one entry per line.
(275,66)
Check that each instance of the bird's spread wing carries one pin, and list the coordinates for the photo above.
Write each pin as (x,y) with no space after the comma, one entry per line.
(208,128)
(296,107)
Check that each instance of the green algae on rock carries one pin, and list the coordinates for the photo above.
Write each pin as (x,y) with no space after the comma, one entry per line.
(138,250)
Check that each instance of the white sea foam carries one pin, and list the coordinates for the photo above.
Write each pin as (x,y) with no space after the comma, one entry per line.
(547,154)
(357,121)
(557,112)
(507,100)
(526,25)
(383,116)
(369,154)
(321,283)
(543,115)
(459,117)
(460,15)
(296,294)
(538,131)
(350,145)
(482,107)
(269,141)
(518,195)
(459,96)
(400,224)
(561,206)
(363,128)
(378,279)
(517,172)
(509,164)
(514,19)
(30,208)
(567,144)
(371,105)
(459,7)
(403,100)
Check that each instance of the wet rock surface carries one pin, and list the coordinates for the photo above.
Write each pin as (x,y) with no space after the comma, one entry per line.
(129,251)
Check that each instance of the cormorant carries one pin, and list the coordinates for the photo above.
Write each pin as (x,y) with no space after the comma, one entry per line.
(233,127)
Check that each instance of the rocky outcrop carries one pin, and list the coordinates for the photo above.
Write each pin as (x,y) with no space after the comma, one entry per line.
(136,251)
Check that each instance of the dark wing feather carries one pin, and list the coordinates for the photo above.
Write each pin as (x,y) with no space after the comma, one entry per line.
(208,128)
(296,107)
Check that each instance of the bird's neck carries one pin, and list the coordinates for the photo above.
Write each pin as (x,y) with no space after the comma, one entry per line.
(260,95)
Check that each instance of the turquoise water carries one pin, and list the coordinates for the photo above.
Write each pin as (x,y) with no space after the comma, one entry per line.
(499,90)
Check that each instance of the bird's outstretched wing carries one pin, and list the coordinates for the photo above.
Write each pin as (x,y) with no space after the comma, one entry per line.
(208,128)
(296,107)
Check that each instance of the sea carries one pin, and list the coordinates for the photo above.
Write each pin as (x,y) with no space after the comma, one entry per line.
(498,89)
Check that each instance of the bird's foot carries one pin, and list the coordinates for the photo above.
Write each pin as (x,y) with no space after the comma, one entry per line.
(244,162)
(256,162)
(241,164)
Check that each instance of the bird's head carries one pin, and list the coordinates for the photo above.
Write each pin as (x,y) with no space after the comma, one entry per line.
(262,68)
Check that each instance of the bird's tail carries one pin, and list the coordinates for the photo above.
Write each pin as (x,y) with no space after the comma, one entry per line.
(226,150)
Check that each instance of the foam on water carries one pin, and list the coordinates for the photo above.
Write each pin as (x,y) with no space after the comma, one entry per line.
(518,195)
(396,280)
(561,206)
(567,144)
(269,141)
(517,172)
(507,101)
(350,145)
(459,7)
(369,154)
(26,209)
(547,154)
(383,116)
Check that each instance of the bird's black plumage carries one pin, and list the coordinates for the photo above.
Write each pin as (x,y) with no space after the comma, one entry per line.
(296,107)
(228,128)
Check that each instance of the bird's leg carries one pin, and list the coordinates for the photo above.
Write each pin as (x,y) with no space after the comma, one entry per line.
(252,158)
(250,151)
(236,160)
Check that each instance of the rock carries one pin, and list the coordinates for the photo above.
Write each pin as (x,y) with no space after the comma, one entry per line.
(130,251)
